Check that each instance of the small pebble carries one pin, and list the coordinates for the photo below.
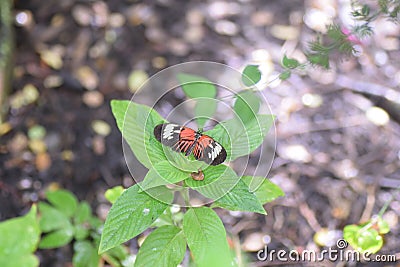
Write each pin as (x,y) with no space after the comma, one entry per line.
(43,161)
(101,127)
(87,77)
(37,146)
(136,79)
(226,27)
(18,143)
(53,81)
(52,58)
(93,99)
(253,242)
(99,146)
(82,15)
(377,116)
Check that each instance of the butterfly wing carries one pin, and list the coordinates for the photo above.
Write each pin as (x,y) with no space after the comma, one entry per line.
(178,137)
(209,151)
(186,141)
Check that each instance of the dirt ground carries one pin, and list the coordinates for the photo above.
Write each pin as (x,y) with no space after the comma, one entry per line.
(338,151)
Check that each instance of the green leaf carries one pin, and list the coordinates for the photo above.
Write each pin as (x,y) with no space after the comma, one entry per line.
(182,162)
(64,201)
(365,10)
(195,86)
(131,214)
(265,190)
(119,252)
(218,180)
(114,193)
(245,137)
(206,237)
(85,255)
(350,234)
(18,240)
(247,105)
(136,123)
(165,246)
(251,75)
(285,75)
(162,173)
(83,213)
(370,240)
(319,59)
(290,63)
(95,222)
(363,239)
(335,33)
(240,198)
(51,218)
(57,238)
(204,91)
(81,231)
(164,219)
(204,109)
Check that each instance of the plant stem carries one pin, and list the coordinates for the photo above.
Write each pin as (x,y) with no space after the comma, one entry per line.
(387,203)
(185,194)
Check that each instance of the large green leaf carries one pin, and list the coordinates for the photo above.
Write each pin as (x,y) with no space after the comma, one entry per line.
(240,198)
(265,190)
(196,86)
(204,109)
(63,200)
(206,238)
(247,105)
(162,173)
(18,240)
(218,180)
(204,93)
(131,214)
(85,255)
(165,246)
(240,139)
(136,123)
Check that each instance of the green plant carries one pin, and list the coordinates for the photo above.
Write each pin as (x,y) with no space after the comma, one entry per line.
(368,236)
(340,40)
(65,220)
(62,222)
(145,205)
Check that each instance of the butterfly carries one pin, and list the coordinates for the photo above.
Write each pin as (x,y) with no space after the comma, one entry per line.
(186,140)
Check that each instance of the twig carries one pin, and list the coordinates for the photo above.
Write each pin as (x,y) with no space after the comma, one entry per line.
(369,206)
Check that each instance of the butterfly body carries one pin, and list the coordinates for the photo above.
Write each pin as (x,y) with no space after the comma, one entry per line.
(186,140)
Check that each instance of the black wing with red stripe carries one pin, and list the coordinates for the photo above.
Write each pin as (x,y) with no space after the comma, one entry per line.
(187,140)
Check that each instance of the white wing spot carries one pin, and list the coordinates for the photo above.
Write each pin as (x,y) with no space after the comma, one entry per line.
(169,130)
(215,151)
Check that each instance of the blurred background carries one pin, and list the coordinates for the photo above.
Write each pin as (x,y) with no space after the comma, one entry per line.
(338,132)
